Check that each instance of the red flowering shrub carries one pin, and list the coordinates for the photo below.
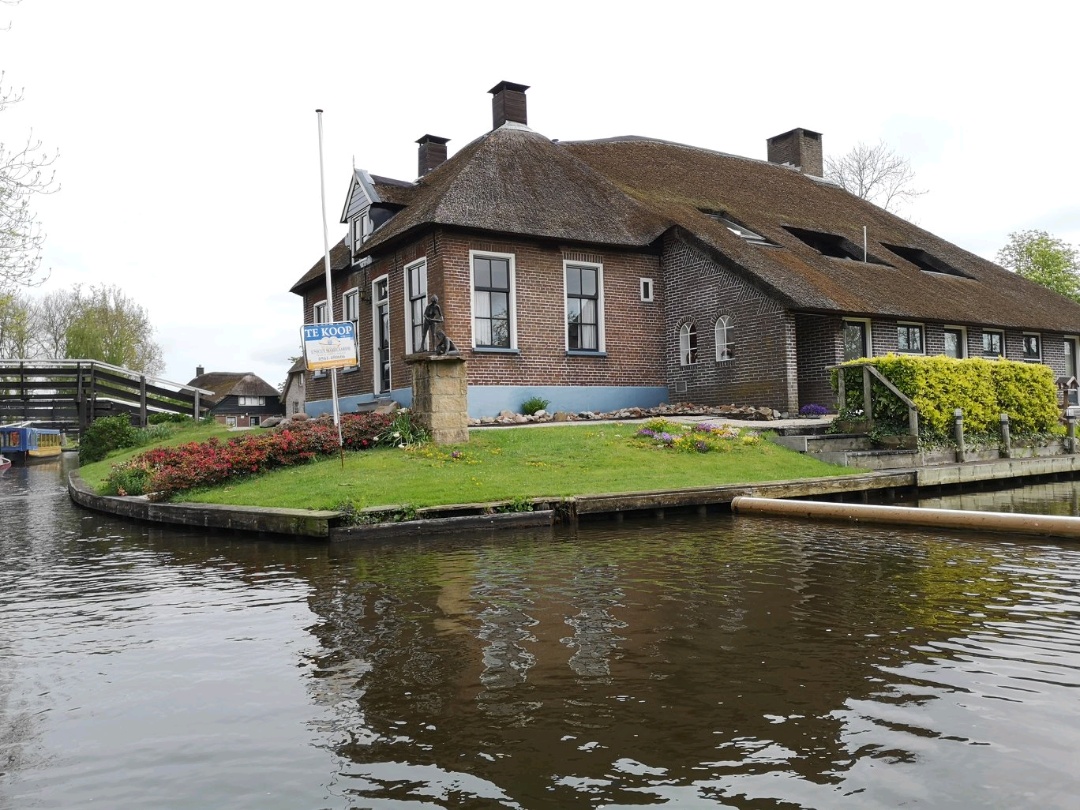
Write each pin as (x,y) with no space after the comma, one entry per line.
(167,470)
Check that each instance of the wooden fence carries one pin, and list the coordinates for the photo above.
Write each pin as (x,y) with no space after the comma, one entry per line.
(70,394)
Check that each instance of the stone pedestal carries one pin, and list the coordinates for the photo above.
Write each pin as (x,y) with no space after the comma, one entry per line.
(440,396)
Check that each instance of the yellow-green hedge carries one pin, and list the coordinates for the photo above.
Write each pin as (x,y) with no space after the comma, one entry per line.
(983,389)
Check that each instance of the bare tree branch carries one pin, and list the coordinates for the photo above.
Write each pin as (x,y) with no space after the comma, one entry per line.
(25,171)
(876,174)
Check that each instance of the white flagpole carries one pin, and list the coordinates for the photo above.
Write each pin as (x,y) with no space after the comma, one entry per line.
(329,285)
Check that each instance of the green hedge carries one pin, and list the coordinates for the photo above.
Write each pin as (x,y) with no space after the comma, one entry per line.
(983,389)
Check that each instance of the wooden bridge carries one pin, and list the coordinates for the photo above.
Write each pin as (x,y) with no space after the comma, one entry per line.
(70,394)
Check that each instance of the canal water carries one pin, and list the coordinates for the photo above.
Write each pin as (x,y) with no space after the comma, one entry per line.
(705,662)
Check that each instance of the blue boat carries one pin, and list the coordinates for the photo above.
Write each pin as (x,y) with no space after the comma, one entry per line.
(22,442)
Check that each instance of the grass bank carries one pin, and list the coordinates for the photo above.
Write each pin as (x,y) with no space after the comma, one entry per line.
(500,465)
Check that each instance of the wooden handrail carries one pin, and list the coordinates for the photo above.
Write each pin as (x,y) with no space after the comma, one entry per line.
(868,372)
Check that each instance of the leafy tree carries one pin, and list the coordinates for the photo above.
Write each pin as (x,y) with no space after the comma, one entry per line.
(1044,259)
(52,315)
(15,326)
(875,173)
(25,172)
(106,325)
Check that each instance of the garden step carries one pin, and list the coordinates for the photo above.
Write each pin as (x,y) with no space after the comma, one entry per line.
(814,444)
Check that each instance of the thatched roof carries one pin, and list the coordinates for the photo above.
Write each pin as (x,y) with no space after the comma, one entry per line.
(629,191)
(681,182)
(231,383)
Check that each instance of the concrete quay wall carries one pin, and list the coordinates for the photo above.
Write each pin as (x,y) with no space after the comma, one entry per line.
(329,525)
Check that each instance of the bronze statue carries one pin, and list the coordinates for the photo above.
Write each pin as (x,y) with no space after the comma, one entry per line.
(433,319)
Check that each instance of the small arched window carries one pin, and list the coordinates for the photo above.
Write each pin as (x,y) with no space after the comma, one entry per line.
(725,338)
(688,344)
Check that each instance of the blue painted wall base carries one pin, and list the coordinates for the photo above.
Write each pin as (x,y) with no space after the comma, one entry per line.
(489,400)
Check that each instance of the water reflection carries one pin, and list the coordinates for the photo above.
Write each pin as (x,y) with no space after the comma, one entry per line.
(720,662)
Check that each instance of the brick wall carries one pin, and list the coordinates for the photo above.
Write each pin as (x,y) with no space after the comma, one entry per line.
(819,345)
(632,357)
(762,371)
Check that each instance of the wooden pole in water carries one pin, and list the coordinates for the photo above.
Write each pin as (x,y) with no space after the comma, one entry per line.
(1047,525)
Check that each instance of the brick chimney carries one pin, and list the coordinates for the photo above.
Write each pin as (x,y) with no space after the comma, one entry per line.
(801,148)
(508,104)
(432,153)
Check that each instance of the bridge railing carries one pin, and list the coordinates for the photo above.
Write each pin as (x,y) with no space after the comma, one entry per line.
(71,393)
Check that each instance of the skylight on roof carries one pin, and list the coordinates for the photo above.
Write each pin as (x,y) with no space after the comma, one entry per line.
(925,262)
(830,244)
(736,228)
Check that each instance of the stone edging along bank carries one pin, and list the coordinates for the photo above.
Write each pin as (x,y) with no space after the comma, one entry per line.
(328,525)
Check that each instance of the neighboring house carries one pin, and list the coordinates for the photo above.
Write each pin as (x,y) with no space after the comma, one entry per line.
(239,400)
(632,271)
(292,395)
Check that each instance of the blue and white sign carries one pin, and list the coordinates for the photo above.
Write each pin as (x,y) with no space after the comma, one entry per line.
(329,345)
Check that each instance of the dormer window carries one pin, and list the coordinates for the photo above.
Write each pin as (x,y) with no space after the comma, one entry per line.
(735,227)
(925,261)
(834,246)
(360,229)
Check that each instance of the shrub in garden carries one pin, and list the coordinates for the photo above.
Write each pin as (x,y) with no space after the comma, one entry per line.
(168,418)
(105,435)
(534,404)
(164,471)
(983,389)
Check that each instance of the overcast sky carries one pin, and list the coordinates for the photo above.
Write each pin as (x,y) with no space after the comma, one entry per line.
(188,137)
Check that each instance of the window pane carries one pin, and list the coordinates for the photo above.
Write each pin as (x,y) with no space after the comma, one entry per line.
(573,310)
(482,305)
(588,281)
(589,337)
(482,270)
(500,305)
(500,274)
(588,311)
(500,333)
(483,332)
(854,341)
(573,281)
(952,344)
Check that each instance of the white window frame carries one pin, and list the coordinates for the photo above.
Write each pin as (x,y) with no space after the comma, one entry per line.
(922,337)
(252,402)
(723,334)
(354,293)
(1038,342)
(867,330)
(511,304)
(963,338)
(230,421)
(315,312)
(410,342)
(1073,341)
(688,355)
(1000,333)
(648,289)
(376,363)
(600,336)
(254,421)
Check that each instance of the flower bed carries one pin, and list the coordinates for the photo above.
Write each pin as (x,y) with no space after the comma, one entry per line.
(703,437)
(164,471)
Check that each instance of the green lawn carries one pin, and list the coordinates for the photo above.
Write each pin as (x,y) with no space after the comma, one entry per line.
(502,464)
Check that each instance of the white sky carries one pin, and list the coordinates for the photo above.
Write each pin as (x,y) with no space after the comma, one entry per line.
(189,143)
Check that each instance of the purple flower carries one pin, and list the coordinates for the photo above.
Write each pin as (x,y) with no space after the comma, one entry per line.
(666,438)
(646,432)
